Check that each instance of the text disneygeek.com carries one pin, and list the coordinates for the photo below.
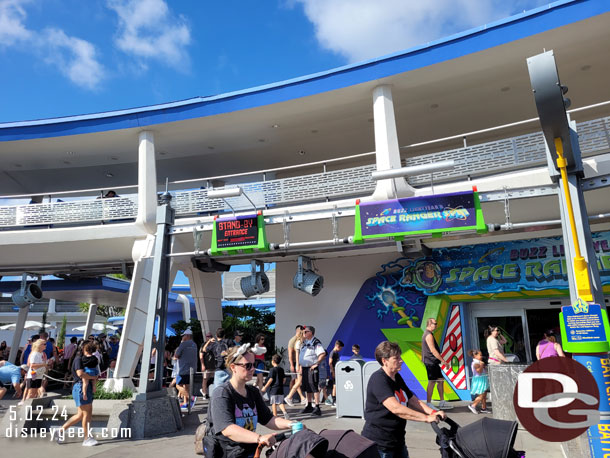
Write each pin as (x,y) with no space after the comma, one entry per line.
(71,433)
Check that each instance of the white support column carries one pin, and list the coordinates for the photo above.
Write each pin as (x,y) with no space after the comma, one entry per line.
(206,290)
(90,320)
(186,307)
(21,319)
(147,182)
(386,146)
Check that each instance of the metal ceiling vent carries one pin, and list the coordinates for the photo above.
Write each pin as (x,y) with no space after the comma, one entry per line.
(306,279)
(257,282)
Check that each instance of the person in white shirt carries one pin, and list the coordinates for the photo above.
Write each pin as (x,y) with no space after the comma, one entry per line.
(312,353)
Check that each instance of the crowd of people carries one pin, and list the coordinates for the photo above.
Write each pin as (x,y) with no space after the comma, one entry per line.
(246,390)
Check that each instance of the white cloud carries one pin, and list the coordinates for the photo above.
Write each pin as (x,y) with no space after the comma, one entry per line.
(148,30)
(12,17)
(73,57)
(364,29)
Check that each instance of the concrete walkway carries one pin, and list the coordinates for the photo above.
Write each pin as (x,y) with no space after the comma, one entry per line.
(420,438)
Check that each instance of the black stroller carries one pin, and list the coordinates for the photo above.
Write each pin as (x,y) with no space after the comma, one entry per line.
(486,438)
(327,444)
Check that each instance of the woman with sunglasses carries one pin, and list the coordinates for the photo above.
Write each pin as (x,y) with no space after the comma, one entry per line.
(237,408)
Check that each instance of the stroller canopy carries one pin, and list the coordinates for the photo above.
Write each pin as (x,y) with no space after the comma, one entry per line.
(487,438)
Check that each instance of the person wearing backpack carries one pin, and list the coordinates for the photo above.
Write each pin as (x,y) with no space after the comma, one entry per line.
(208,364)
(219,347)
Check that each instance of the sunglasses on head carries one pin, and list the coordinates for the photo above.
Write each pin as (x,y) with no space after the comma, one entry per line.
(247,366)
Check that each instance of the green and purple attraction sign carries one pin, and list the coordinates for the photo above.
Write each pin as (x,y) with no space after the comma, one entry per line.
(419,215)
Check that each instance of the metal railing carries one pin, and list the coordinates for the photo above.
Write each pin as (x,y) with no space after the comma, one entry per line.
(509,154)
(503,155)
(79,211)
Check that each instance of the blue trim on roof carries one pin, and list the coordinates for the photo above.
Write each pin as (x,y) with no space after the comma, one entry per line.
(99,283)
(516,27)
(106,283)
(258,303)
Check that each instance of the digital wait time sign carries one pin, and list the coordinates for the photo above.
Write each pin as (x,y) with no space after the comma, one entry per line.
(241,233)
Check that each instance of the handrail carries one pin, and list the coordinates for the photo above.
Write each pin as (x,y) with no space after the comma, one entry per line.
(309,164)
(288,167)
(503,126)
(62,193)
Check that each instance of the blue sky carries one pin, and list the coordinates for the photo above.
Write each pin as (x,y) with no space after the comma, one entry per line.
(67,57)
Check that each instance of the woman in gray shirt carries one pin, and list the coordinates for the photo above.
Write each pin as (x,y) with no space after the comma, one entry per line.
(238,408)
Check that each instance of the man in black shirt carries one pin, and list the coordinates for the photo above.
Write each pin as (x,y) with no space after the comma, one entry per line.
(390,403)
(333,359)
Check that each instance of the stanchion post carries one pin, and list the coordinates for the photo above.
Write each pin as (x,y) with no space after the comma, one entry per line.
(191,381)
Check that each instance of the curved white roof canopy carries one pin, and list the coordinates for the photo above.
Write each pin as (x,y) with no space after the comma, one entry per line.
(464,83)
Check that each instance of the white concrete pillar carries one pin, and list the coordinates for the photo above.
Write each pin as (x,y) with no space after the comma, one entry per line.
(386,146)
(206,290)
(51,309)
(90,320)
(186,307)
(21,319)
(147,182)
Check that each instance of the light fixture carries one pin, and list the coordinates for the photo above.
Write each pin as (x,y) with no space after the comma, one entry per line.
(28,293)
(275,126)
(414,170)
(306,279)
(257,282)
(225,193)
(109,175)
(301,152)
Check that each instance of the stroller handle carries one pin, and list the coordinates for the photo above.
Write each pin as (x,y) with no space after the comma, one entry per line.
(452,424)
(278,438)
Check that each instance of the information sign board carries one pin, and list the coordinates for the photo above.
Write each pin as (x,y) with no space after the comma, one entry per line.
(419,215)
(244,233)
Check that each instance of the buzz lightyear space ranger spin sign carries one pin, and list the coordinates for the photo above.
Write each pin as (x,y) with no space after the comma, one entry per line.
(535,265)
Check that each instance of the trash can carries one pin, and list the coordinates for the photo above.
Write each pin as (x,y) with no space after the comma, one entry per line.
(367,371)
(350,399)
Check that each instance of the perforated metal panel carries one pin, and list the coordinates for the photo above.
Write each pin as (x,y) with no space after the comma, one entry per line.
(306,188)
(485,159)
(509,154)
(116,208)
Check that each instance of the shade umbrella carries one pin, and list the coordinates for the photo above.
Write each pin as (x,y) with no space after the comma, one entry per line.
(96,327)
(29,325)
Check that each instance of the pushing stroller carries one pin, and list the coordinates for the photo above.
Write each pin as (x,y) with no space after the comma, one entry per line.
(486,438)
